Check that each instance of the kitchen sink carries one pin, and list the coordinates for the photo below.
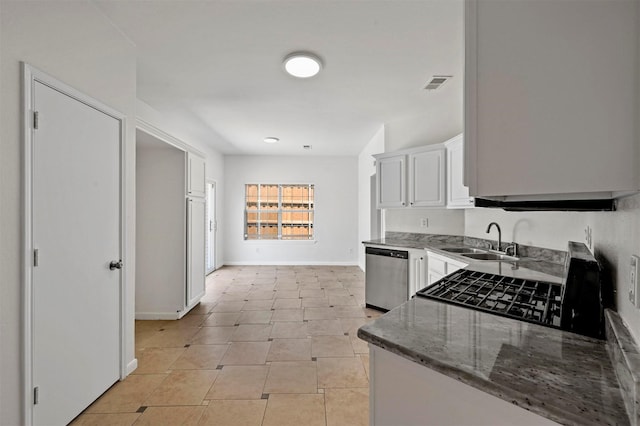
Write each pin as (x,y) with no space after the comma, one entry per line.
(463,250)
(488,256)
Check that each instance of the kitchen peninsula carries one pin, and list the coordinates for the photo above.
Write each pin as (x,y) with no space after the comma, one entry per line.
(436,363)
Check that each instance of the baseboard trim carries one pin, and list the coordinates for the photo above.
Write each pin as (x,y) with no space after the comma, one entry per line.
(157,315)
(290,263)
(132,366)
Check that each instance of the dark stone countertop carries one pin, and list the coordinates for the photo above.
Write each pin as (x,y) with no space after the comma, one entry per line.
(559,375)
(526,267)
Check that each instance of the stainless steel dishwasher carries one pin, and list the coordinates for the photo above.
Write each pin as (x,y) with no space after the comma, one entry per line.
(386,278)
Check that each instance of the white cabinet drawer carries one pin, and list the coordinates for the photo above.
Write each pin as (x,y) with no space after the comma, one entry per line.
(437,266)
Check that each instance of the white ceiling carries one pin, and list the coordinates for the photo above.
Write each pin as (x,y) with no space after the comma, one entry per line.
(216,66)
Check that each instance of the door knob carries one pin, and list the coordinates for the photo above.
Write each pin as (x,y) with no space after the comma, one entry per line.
(115,265)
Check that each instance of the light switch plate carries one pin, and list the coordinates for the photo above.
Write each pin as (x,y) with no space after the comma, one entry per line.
(634,297)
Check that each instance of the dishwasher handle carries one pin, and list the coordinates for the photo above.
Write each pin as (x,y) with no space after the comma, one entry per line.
(399,254)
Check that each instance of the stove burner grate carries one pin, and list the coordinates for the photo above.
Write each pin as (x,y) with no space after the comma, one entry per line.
(533,301)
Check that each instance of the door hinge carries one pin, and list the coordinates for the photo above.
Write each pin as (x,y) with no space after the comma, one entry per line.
(35,119)
(36,259)
(36,395)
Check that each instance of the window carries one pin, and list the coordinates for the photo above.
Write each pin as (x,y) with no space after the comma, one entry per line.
(278,212)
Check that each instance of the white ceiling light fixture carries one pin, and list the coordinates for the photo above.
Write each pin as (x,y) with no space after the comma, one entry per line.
(271,139)
(302,64)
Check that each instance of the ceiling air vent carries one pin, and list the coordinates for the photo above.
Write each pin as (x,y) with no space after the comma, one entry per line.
(437,81)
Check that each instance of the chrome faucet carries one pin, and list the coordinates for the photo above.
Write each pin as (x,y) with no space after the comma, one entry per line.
(499,233)
(512,246)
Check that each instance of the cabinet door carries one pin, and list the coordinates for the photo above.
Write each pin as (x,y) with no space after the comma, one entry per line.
(440,266)
(195,175)
(454,266)
(417,271)
(538,121)
(433,277)
(427,178)
(457,193)
(422,272)
(391,179)
(195,250)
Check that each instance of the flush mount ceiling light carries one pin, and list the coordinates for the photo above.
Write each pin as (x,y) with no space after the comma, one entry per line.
(271,139)
(302,64)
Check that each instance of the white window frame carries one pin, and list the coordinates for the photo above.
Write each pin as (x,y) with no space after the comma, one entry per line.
(279,212)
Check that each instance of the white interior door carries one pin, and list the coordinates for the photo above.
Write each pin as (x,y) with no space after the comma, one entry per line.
(211,227)
(75,301)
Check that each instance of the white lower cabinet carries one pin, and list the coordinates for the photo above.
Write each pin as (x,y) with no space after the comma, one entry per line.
(403,392)
(432,277)
(440,266)
(417,271)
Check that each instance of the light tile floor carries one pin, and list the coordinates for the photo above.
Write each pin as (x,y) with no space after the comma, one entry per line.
(267,345)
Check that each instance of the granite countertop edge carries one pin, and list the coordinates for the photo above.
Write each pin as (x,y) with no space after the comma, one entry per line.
(553,270)
(507,394)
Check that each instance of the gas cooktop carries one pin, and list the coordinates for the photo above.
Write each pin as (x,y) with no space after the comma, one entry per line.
(526,300)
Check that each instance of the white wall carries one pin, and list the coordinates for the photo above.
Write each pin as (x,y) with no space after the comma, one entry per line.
(215,162)
(543,229)
(614,234)
(336,209)
(366,168)
(440,221)
(74,43)
(425,129)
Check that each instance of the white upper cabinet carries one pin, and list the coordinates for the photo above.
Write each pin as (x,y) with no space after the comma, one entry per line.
(457,193)
(423,183)
(551,97)
(391,181)
(195,175)
(427,177)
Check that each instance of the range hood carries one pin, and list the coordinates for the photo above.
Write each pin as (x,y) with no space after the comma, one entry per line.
(548,205)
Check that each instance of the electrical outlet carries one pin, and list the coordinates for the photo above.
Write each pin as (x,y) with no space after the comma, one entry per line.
(424,223)
(588,237)
(633,281)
